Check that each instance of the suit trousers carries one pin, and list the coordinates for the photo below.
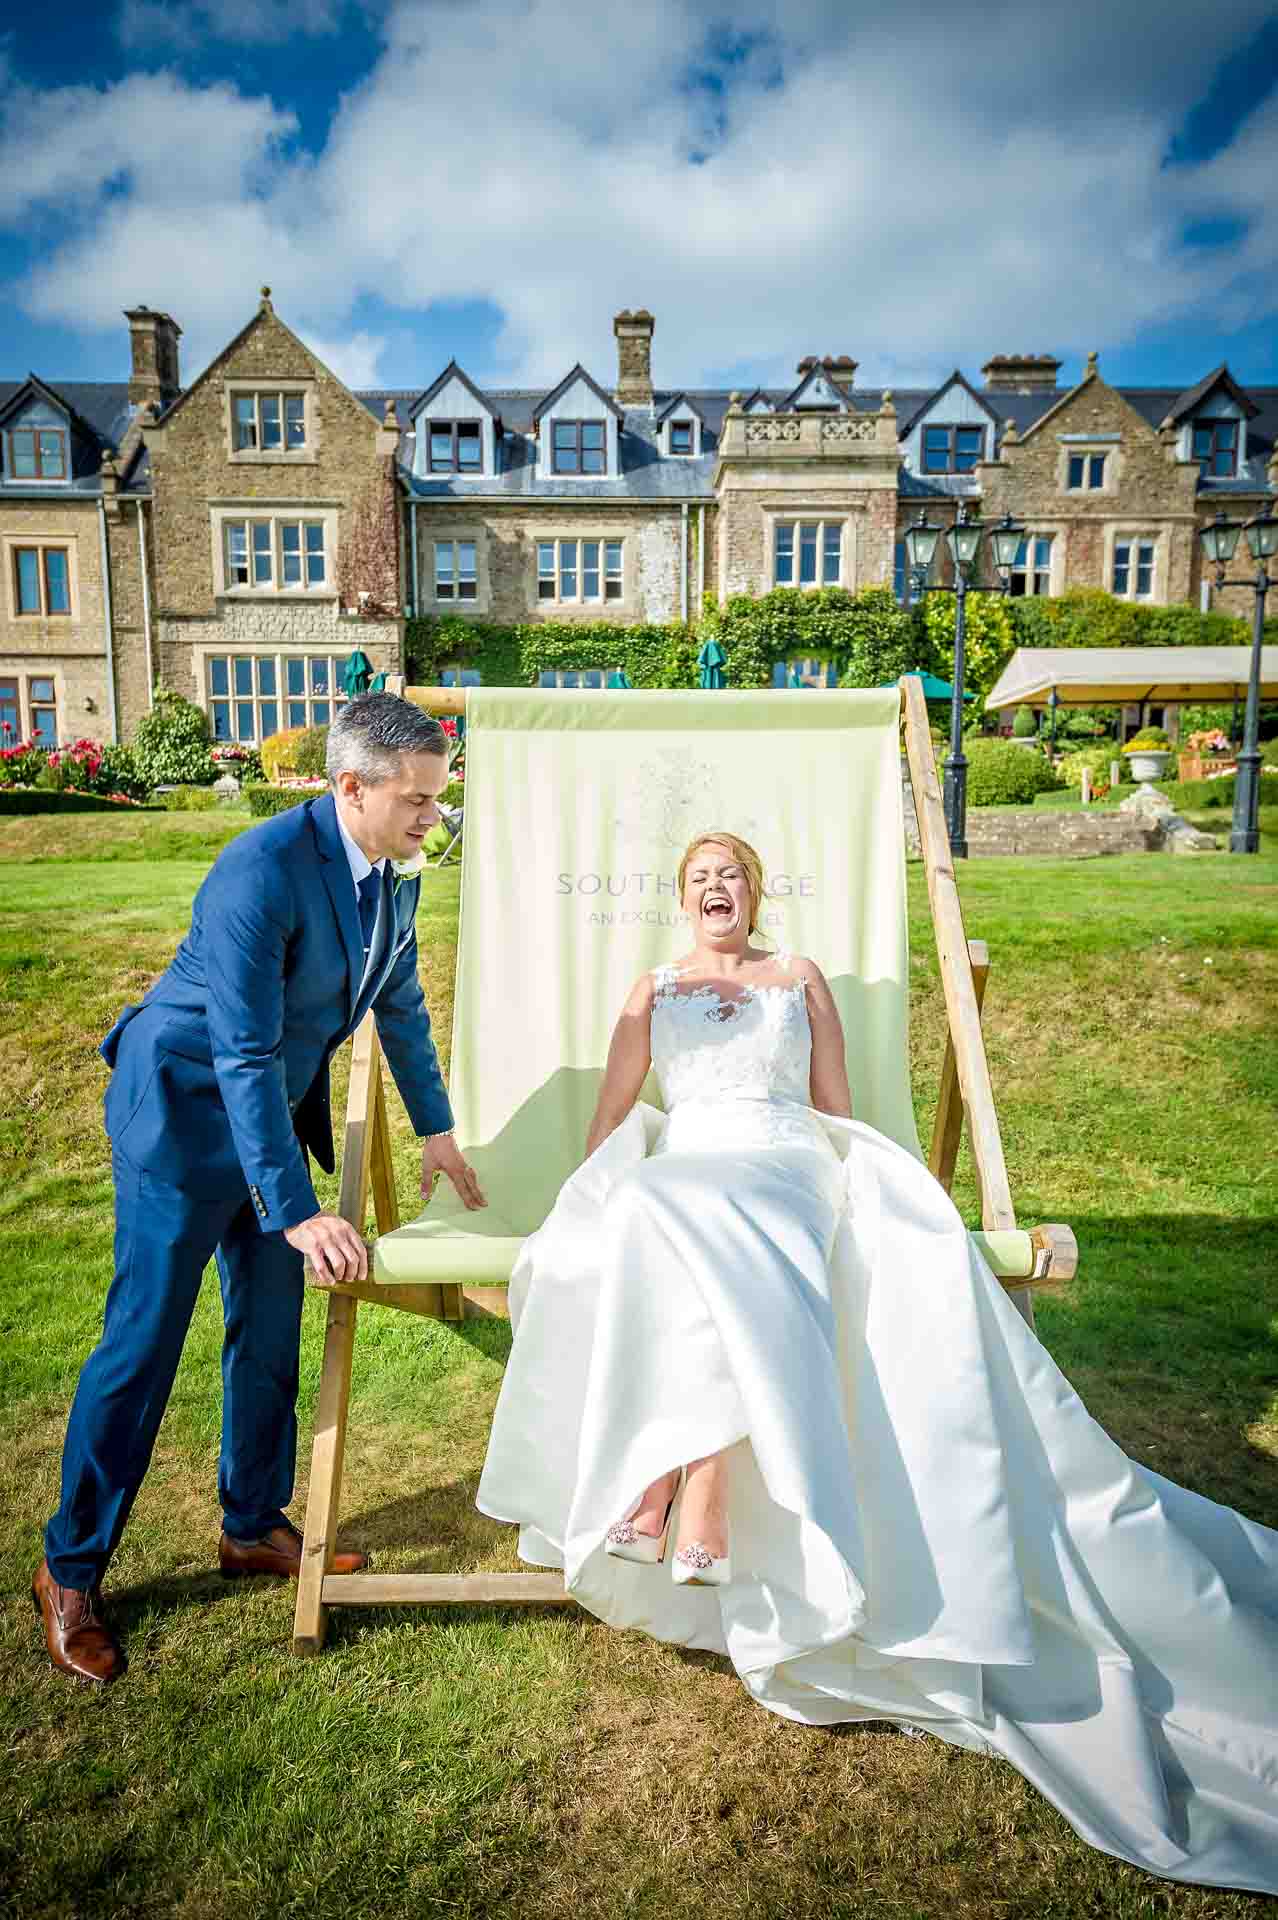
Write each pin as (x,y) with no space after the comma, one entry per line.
(164,1239)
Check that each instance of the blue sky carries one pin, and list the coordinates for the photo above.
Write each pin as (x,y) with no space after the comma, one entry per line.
(428,178)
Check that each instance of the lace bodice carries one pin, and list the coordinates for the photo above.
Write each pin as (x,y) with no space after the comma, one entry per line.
(757,1047)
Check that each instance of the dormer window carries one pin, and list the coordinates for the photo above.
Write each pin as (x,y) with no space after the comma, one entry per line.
(952,449)
(36,453)
(578,446)
(455,446)
(1216,448)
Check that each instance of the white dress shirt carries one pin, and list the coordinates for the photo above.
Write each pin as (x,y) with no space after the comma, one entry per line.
(360,864)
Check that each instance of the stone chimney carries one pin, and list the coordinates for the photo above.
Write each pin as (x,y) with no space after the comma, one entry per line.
(634,357)
(840,371)
(1021,373)
(154,339)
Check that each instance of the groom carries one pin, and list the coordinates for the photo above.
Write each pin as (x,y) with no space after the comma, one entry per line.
(219,1087)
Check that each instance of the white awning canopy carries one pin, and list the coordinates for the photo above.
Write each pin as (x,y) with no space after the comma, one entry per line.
(1112,676)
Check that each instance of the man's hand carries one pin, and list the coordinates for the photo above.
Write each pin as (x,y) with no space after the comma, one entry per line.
(443,1155)
(335,1251)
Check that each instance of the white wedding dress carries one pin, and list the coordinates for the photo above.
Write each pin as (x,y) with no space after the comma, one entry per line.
(926,1524)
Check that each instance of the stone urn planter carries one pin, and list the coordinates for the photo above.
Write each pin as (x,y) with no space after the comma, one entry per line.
(1148,764)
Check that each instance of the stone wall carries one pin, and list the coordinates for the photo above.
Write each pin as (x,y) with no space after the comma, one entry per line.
(195,471)
(506,559)
(182,643)
(72,650)
(1147,491)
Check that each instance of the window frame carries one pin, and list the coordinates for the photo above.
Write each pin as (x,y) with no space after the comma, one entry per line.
(794,523)
(580,472)
(42,548)
(1134,544)
(1034,572)
(35,705)
(281,391)
(453,463)
(277,518)
(1215,425)
(688,426)
(282,698)
(25,704)
(454,596)
(824,663)
(39,477)
(611,575)
(1086,457)
(952,429)
(575,678)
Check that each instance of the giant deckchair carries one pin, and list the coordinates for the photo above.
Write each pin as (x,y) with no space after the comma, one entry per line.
(579,804)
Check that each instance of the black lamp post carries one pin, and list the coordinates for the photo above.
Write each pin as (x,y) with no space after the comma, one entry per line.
(964,542)
(1220,541)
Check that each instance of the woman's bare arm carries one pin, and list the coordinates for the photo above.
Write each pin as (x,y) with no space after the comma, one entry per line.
(629,1058)
(829,1084)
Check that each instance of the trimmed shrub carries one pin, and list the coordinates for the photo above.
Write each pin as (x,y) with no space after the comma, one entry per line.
(48,800)
(1099,759)
(1002,775)
(1190,795)
(1025,725)
(172,743)
(1149,740)
(277,753)
(188,800)
(265,801)
(309,752)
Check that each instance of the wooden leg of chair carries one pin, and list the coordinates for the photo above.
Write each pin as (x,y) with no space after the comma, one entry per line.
(381,1170)
(948,1127)
(310,1618)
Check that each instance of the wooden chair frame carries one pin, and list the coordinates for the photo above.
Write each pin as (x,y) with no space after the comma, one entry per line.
(965,1095)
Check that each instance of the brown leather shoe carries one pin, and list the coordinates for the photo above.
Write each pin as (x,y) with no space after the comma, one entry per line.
(78,1638)
(278,1552)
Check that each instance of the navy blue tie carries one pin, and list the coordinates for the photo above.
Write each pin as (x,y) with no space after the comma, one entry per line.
(369,890)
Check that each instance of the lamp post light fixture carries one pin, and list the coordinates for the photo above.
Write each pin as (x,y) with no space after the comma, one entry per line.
(1220,543)
(964,542)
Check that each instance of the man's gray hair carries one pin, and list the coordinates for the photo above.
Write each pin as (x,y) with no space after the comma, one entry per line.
(370,733)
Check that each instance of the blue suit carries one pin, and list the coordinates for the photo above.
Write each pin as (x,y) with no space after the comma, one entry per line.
(219,1085)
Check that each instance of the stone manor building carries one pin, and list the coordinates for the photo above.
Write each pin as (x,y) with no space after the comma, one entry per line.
(239,537)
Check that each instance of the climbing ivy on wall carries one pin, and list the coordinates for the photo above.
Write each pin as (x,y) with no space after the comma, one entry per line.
(869,639)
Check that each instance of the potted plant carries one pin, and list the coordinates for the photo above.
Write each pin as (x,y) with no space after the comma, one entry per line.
(1148,753)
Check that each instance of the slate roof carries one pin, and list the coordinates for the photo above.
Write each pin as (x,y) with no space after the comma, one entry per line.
(647,474)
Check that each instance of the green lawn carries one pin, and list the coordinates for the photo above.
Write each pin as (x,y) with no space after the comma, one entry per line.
(478,1764)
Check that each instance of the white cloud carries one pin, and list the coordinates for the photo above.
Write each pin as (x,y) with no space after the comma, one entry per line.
(355,358)
(912,198)
(147,25)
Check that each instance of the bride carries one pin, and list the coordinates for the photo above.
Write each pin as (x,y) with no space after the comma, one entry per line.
(765,1398)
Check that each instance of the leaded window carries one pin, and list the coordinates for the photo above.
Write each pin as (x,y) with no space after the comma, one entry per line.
(807,553)
(581,570)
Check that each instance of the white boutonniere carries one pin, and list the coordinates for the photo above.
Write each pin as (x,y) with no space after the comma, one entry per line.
(408,869)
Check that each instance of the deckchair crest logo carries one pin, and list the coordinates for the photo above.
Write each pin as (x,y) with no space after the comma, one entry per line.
(677,796)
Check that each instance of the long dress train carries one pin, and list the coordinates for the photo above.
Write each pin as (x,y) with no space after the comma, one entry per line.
(927,1525)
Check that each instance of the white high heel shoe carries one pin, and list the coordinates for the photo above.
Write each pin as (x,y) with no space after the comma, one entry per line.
(624,1542)
(695,1566)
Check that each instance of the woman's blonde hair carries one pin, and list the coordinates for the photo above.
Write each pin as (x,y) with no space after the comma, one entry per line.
(746,858)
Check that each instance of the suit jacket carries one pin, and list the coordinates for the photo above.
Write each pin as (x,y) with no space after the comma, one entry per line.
(221,1073)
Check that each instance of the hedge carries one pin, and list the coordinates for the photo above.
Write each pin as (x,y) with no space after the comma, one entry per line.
(1000,774)
(1189,795)
(47,800)
(265,801)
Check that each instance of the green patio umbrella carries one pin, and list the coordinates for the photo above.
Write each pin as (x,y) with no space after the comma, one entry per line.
(712,660)
(357,674)
(933,689)
(620,679)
